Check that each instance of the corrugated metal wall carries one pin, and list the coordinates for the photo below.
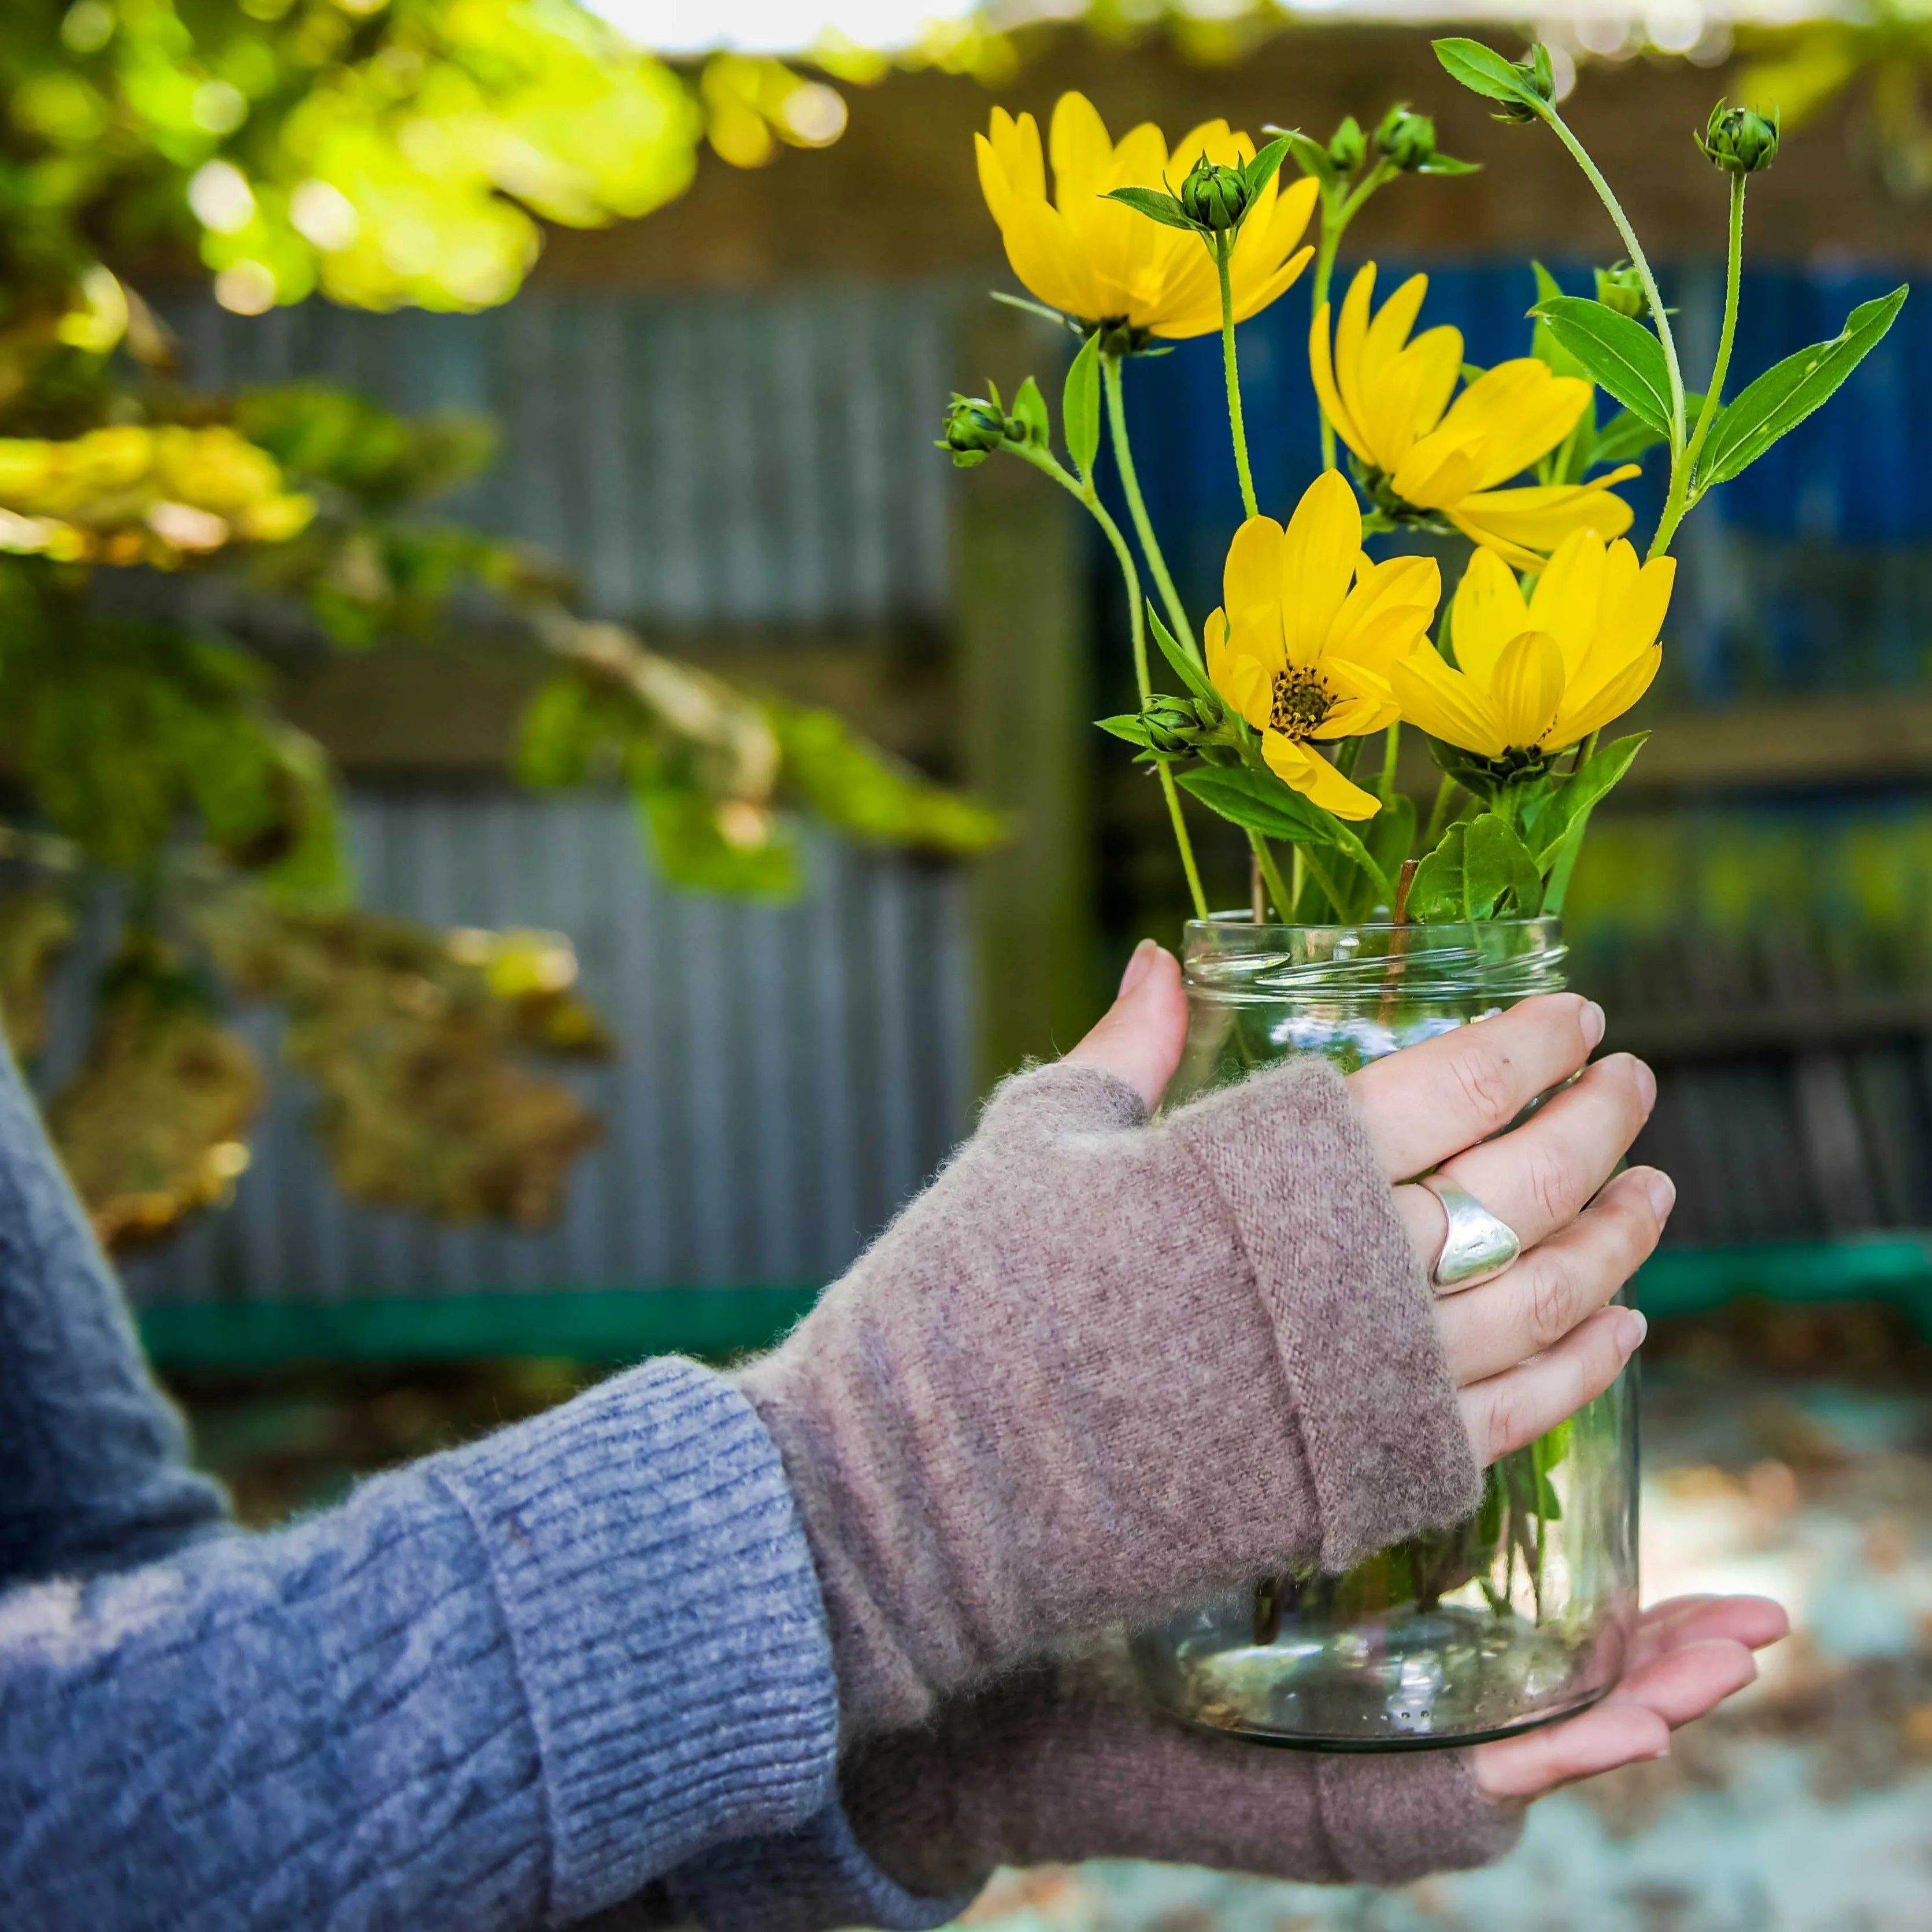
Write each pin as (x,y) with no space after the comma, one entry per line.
(789,1075)
(702,460)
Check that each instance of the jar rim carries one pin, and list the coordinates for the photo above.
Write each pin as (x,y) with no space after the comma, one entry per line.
(1243,921)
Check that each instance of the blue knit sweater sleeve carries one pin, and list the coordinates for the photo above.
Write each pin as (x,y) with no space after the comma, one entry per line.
(505,1688)
(93,1474)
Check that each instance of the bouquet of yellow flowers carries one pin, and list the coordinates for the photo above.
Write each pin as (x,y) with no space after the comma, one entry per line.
(1284,713)
(1318,651)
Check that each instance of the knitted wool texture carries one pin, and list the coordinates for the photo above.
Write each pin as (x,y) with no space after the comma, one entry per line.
(1101,1366)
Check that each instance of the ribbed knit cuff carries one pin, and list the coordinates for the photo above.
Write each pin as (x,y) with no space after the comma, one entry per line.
(1391,1819)
(668,1631)
(804,1881)
(1385,1446)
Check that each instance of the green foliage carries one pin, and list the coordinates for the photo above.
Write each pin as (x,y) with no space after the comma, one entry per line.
(1481,870)
(1622,355)
(1080,406)
(1524,89)
(1258,801)
(1789,391)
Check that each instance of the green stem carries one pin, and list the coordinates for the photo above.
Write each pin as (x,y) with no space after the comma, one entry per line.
(1130,483)
(1223,249)
(1320,873)
(1085,494)
(1391,744)
(1277,887)
(1641,263)
(1683,478)
(1438,813)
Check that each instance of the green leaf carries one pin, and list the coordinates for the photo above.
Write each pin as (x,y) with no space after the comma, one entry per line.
(1185,668)
(683,828)
(1030,407)
(1484,71)
(1128,724)
(1155,205)
(1040,309)
(1080,406)
(1542,343)
(1262,169)
(1622,356)
(1626,436)
(1259,802)
(1310,156)
(1570,806)
(868,795)
(1447,164)
(1785,394)
(1480,870)
(1435,892)
(1498,871)
(1468,771)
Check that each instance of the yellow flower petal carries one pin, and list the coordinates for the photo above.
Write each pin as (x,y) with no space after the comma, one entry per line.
(1017,144)
(1568,600)
(1318,552)
(1527,687)
(1359,713)
(1350,329)
(1252,573)
(1321,367)
(1081,148)
(1592,710)
(1438,471)
(1446,703)
(1521,411)
(1316,779)
(1525,525)
(1488,612)
(1392,604)
(1639,613)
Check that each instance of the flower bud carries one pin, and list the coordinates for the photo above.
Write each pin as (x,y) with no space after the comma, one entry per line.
(1346,147)
(1739,140)
(1537,74)
(1620,286)
(1215,197)
(975,428)
(1172,723)
(1405,139)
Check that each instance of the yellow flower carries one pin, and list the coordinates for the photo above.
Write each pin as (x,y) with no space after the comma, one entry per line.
(1309,633)
(1098,260)
(1387,398)
(1537,675)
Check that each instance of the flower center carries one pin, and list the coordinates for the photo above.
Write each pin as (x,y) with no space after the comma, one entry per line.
(1301,701)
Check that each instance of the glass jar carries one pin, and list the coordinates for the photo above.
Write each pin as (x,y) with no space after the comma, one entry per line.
(1519,1615)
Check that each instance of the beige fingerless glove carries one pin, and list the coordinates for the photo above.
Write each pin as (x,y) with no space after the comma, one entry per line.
(1060,1762)
(1100,1367)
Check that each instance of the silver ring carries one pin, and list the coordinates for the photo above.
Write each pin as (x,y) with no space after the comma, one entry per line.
(1476,1247)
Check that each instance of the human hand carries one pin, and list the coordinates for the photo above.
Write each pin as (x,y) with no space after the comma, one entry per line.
(1067,1761)
(1539,1341)
(1689,1654)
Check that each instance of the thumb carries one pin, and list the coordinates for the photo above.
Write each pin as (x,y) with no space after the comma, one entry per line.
(1139,1037)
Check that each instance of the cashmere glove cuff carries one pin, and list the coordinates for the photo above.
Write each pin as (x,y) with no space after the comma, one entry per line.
(1100,1367)
(1062,1763)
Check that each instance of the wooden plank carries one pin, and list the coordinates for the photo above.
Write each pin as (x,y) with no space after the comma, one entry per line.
(1019,625)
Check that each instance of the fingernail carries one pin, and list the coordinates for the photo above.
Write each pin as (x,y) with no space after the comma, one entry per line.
(1593,1023)
(1662,1192)
(1138,967)
(1646,1085)
(1631,1330)
(1663,1749)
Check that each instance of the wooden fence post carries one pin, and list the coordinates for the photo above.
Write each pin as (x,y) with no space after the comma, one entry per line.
(1020,623)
